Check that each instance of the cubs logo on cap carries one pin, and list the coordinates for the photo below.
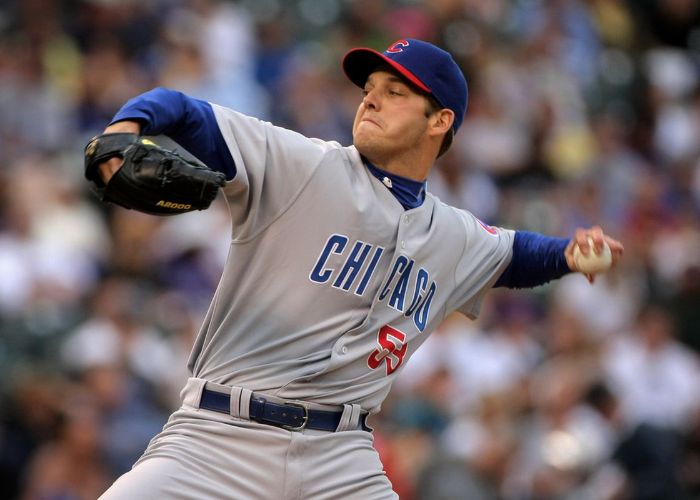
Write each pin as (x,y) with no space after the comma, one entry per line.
(426,66)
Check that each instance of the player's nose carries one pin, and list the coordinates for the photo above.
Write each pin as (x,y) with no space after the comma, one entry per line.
(370,100)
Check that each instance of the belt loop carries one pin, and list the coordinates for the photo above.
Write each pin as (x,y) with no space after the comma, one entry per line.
(244,403)
(350,419)
(234,402)
(192,392)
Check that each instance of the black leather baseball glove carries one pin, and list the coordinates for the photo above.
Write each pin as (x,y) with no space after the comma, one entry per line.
(152,179)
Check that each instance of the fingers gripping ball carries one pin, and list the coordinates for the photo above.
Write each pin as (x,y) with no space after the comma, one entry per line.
(593,263)
(152,179)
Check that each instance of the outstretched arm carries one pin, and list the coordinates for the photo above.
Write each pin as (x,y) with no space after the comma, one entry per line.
(538,259)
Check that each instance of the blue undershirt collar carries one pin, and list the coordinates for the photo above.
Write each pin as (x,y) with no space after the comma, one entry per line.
(408,192)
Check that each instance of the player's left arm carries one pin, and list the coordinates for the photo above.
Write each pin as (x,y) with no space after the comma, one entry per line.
(188,121)
(538,259)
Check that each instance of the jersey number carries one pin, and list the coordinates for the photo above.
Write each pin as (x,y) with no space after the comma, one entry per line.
(392,349)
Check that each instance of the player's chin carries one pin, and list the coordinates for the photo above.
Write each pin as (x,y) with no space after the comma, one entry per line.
(363,141)
(368,149)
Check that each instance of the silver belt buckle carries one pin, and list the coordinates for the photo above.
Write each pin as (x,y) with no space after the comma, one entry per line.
(305,421)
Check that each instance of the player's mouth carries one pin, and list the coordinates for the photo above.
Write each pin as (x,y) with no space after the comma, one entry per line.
(370,120)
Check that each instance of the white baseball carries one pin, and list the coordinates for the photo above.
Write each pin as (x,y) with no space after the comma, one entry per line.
(593,263)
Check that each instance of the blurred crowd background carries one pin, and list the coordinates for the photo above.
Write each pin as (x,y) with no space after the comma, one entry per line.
(581,112)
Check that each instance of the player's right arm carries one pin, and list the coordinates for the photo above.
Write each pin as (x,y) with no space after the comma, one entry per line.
(538,259)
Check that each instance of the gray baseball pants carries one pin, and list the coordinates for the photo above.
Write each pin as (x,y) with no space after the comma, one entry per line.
(202,454)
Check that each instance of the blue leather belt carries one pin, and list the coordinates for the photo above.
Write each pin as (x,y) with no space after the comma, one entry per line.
(290,416)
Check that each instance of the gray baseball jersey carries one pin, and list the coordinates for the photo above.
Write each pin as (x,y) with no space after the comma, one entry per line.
(330,285)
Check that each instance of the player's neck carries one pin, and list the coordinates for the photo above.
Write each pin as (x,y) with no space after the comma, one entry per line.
(412,167)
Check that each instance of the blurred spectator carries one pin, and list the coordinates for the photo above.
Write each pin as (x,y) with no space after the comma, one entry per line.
(31,416)
(653,375)
(685,309)
(645,459)
(564,442)
(208,52)
(464,188)
(607,306)
(497,359)
(491,140)
(116,333)
(108,79)
(667,22)
(415,421)
(71,465)
(478,449)
(690,468)
(130,411)
(52,241)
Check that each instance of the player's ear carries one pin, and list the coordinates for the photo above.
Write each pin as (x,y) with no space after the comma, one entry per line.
(441,121)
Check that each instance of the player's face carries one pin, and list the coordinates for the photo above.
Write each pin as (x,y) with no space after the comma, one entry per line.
(391,119)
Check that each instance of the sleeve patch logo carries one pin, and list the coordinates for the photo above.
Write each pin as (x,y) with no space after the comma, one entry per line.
(489,229)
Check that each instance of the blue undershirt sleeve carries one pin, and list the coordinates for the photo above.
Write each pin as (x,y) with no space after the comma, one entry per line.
(536,260)
(189,122)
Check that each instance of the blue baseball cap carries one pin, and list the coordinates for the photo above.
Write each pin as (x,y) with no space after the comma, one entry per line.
(426,66)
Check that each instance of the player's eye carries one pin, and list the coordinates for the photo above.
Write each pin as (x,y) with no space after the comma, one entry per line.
(394,92)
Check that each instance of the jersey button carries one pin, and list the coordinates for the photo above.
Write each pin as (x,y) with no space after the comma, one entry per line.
(403,244)
(344,350)
(407,219)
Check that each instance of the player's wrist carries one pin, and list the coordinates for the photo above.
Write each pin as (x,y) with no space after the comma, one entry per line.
(569,255)
(125,126)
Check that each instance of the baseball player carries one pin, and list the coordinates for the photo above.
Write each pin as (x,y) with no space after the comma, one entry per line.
(341,263)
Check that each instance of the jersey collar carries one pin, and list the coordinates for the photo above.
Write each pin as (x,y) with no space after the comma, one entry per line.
(408,192)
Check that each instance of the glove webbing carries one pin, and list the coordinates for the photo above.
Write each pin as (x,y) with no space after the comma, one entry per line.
(104,147)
